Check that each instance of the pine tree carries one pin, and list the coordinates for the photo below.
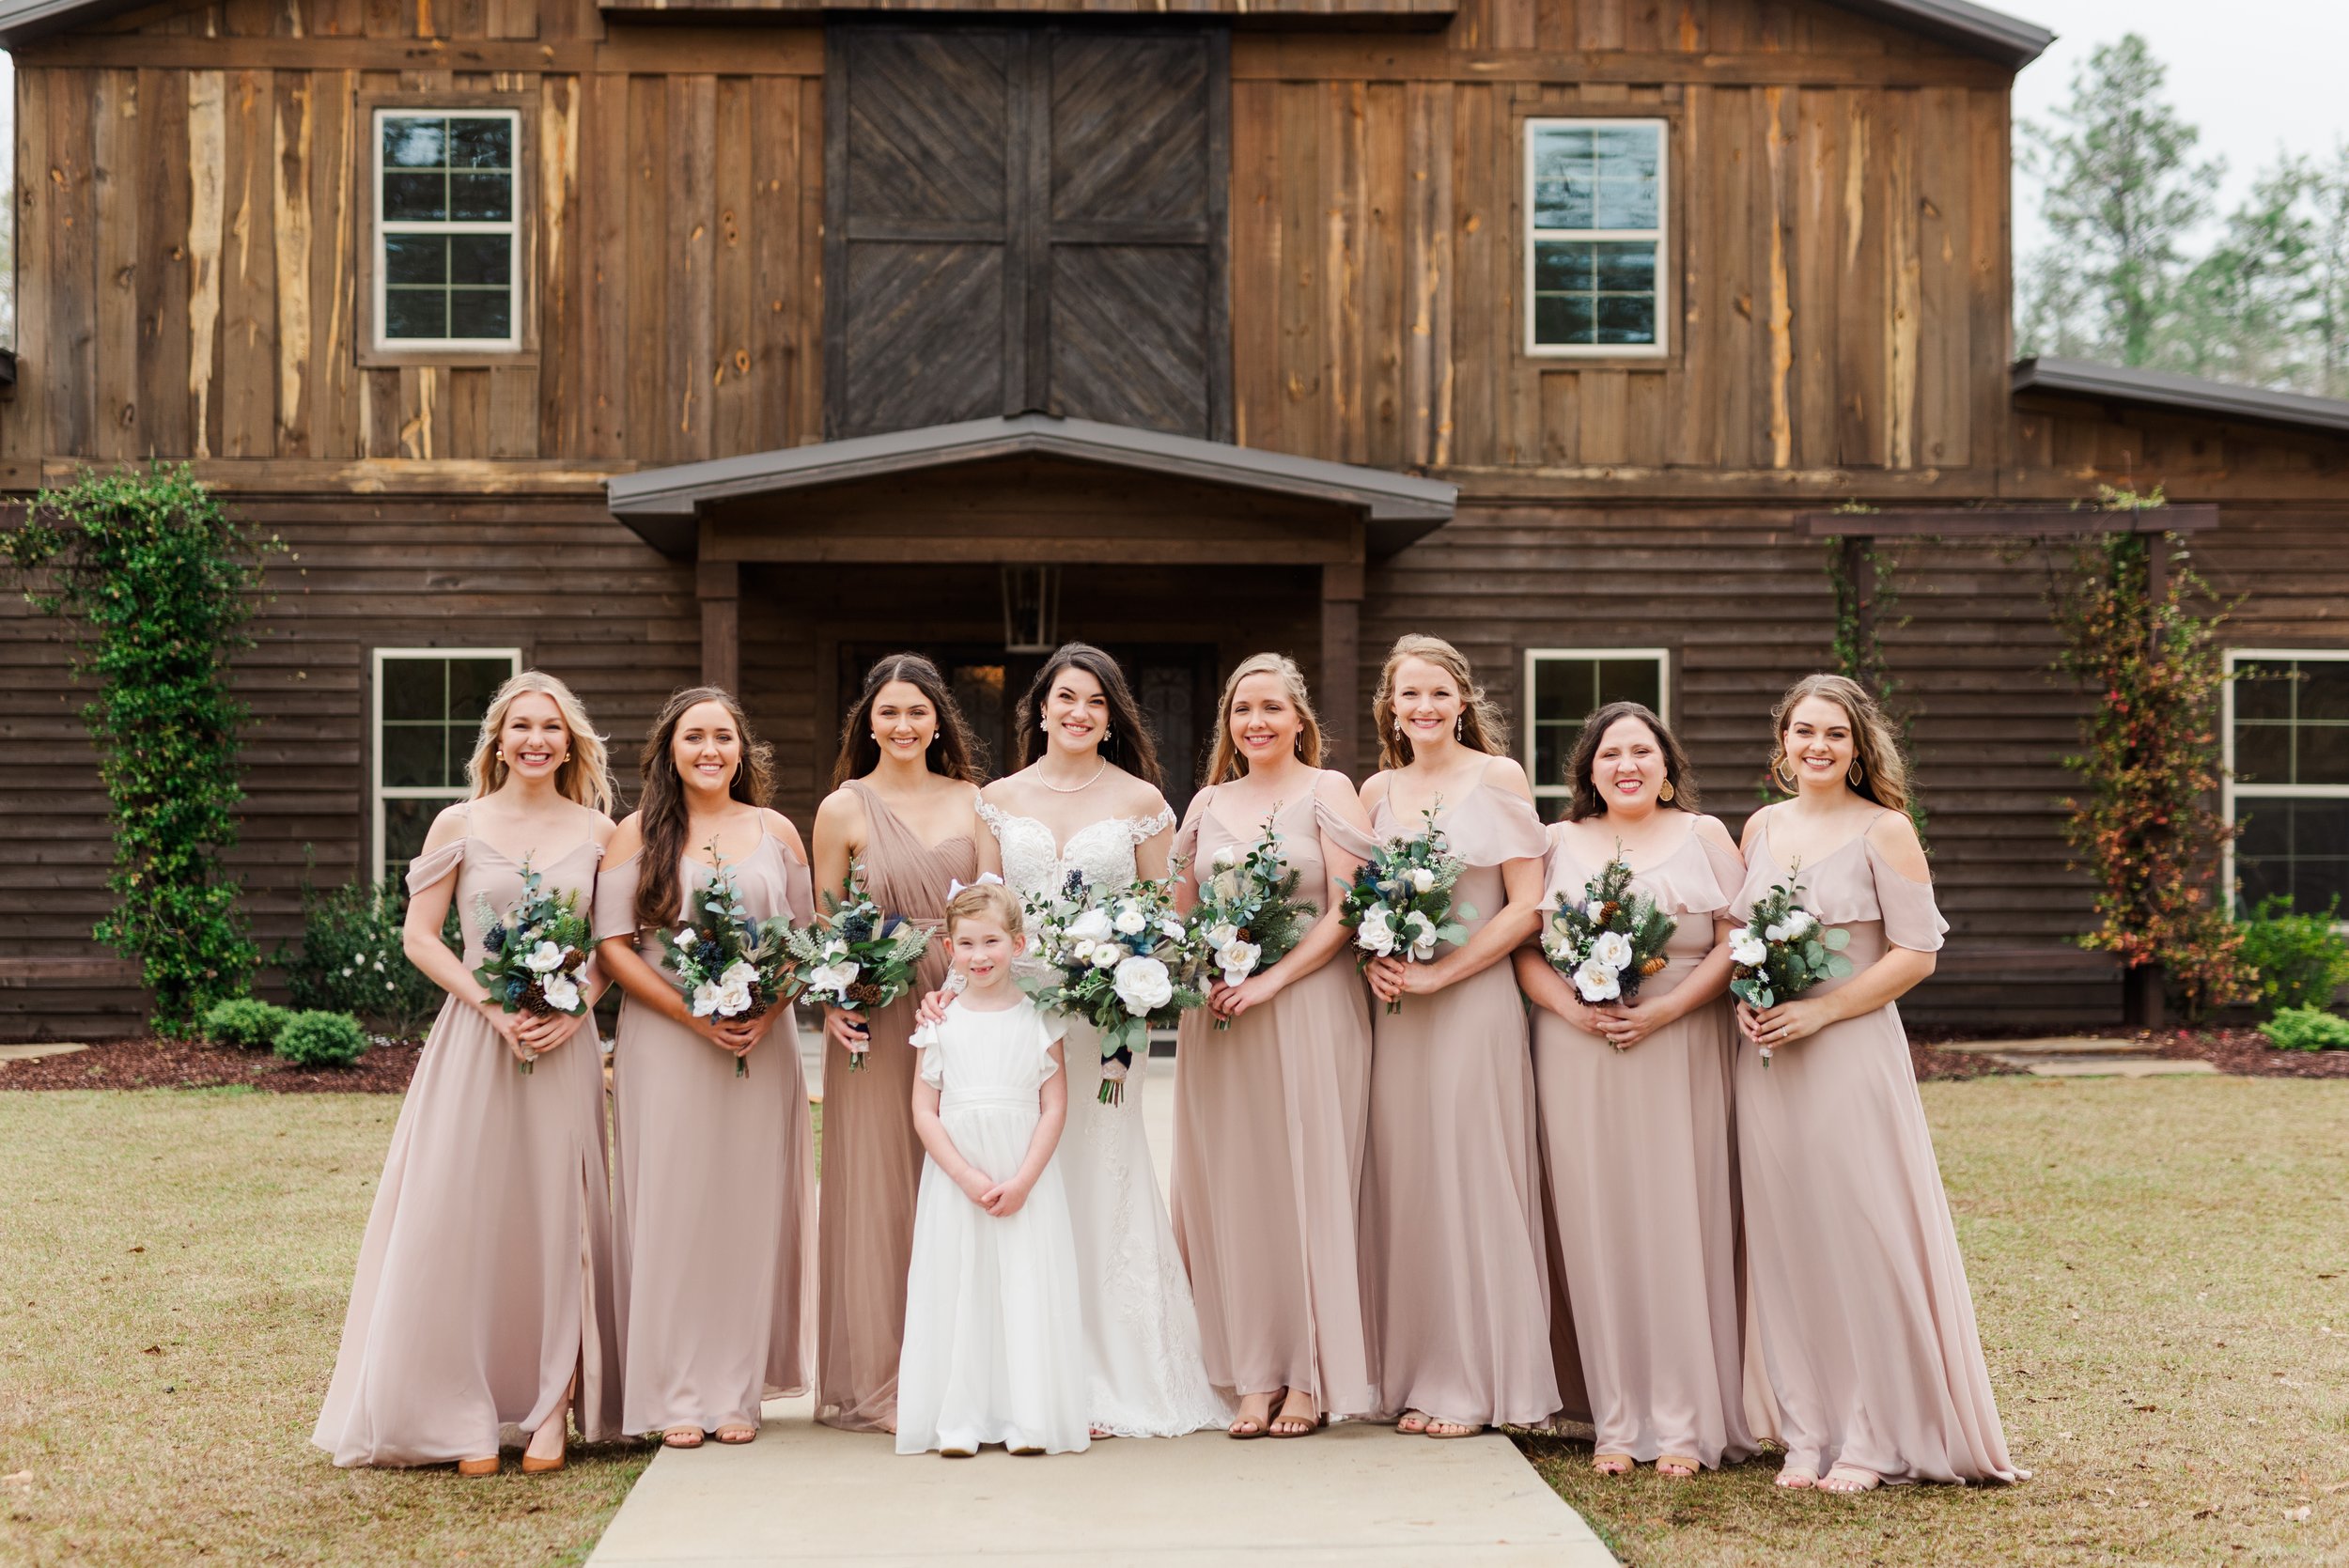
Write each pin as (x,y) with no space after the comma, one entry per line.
(2247,311)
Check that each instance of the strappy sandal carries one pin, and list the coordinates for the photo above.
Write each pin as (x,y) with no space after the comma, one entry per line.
(1612,1463)
(1413,1424)
(1298,1426)
(1245,1427)
(1677,1466)
(682,1437)
(1845,1481)
(1793,1479)
(1451,1429)
(734,1437)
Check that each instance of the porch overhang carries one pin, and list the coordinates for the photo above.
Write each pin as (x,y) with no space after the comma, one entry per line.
(666,506)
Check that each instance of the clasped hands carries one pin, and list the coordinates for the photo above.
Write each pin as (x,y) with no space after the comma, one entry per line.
(531,1036)
(1001,1199)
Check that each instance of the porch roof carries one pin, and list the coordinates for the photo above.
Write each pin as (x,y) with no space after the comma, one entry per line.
(664,504)
(2161,389)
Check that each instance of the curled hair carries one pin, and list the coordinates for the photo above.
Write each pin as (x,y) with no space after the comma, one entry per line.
(1883,770)
(951,751)
(585,775)
(1129,744)
(986,901)
(661,814)
(1587,802)
(1482,727)
(1225,762)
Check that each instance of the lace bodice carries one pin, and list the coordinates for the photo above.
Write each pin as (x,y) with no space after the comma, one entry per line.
(1036,863)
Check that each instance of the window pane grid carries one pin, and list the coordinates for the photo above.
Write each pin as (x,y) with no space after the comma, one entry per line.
(446,228)
(1595,240)
(2289,792)
(1565,689)
(429,711)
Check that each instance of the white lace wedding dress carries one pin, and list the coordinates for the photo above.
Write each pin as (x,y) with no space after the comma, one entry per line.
(1141,1332)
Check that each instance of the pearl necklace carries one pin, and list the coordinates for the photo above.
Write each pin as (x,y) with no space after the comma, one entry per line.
(1074,790)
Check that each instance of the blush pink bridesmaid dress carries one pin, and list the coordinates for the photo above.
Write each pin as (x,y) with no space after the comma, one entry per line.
(1860,1315)
(713,1186)
(484,1286)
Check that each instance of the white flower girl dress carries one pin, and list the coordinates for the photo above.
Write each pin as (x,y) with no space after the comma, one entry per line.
(994,1343)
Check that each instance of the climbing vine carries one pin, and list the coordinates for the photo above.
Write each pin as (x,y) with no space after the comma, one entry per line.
(159,580)
(1858,648)
(2144,822)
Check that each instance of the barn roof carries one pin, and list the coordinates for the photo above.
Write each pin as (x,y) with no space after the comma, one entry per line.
(2159,388)
(1977,28)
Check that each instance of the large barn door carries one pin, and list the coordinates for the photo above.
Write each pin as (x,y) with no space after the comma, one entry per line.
(1027,218)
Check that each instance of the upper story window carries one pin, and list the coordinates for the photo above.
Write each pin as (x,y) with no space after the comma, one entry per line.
(1595,241)
(448,243)
(1565,686)
(2287,725)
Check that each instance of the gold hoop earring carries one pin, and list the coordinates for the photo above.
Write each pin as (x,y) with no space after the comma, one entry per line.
(1855,773)
(1666,793)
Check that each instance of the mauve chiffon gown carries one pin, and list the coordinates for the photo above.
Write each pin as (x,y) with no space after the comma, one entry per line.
(484,1278)
(1636,1145)
(1269,1120)
(1454,1280)
(713,1186)
(1861,1318)
(872,1157)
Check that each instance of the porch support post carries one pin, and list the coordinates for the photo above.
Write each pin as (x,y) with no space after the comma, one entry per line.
(718,584)
(1340,666)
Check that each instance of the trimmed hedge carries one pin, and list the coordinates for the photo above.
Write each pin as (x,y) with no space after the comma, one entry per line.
(2306,1029)
(246,1022)
(320,1039)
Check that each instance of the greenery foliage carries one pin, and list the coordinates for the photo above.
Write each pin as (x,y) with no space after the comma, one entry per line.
(246,1022)
(2306,1029)
(350,959)
(2299,960)
(322,1039)
(1859,648)
(2144,822)
(159,582)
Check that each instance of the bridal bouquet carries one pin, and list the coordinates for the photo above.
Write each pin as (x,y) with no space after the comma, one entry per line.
(856,956)
(1121,962)
(1399,904)
(730,966)
(1249,917)
(534,953)
(1608,939)
(1782,951)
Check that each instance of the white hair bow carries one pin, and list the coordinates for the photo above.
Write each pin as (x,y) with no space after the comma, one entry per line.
(956,885)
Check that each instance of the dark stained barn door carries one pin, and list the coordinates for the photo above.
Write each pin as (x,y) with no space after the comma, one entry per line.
(1022,218)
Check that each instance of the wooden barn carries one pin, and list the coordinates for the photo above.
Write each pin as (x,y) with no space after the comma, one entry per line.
(648,340)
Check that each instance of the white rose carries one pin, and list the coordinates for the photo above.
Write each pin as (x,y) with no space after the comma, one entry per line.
(740,972)
(1223,936)
(1092,925)
(835,950)
(1798,921)
(1142,985)
(1613,949)
(1556,943)
(1421,933)
(561,991)
(1375,934)
(734,1001)
(1108,956)
(1237,960)
(1596,982)
(1748,949)
(1227,856)
(705,997)
(545,958)
(1776,932)
(1594,911)
(1423,880)
(1131,922)
(831,980)
(1171,928)
(684,938)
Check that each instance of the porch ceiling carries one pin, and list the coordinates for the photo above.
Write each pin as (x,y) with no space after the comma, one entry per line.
(666,505)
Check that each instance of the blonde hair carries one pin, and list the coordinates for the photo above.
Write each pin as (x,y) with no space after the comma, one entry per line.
(585,775)
(1883,770)
(1482,728)
(986,901)
(1225,762)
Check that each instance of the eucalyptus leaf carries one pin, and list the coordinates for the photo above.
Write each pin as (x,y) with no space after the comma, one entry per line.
(1837,938)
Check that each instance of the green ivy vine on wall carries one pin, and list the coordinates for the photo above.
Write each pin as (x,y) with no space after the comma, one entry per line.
(1858,648)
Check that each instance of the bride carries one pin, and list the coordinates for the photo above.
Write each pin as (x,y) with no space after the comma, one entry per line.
(1086,799)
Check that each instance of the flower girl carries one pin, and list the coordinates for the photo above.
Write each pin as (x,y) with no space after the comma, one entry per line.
(994,1342)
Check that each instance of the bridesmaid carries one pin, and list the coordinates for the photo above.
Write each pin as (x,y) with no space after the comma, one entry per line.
(1635,1116)
(1454,1276)
(1859,1302)
(903,808)
(1269,1115)
(714,1174)
(483,1301)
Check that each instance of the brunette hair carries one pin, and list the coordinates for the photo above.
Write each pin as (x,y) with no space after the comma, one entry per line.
(660,812)
(1883,770)
(1128,743)
(952,753)
(1225,762)
(1482,727)
(984,900)
(1587,802)
(585,775)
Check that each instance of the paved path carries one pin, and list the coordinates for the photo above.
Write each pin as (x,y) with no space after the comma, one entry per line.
(1352,1495)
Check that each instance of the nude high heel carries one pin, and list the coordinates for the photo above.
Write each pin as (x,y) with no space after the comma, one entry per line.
(477,1466)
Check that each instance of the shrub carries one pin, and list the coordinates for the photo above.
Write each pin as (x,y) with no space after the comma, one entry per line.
(322,1039)
(2301,959)
(247,1022)
(351,961)
(2306,1029)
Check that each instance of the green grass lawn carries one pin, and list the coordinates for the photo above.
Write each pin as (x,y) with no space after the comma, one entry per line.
(2161,1268)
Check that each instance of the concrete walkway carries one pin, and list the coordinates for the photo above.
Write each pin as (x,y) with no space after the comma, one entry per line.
(1352,1495)
(2082,1056)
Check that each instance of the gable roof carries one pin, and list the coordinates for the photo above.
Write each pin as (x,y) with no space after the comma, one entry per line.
(1977,28)
(663,504)
(2159,388)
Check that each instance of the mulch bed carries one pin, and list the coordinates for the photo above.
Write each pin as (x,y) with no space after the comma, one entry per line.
(197,1064)
(2246,1053)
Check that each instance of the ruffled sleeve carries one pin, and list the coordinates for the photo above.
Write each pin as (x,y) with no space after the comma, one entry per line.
(933,1064)
(1729,871)
(1501,826)
(1911,917)
(1342,834)
(427,870)
(616,900)
(1051,1030)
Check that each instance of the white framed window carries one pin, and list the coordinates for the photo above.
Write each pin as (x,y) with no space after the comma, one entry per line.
(1565,686)
(1595,200)
(427,705)
(447,247)
(2286,728)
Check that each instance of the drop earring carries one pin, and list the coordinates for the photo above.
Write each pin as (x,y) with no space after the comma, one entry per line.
(1665,794)
(1855,773)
